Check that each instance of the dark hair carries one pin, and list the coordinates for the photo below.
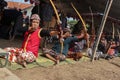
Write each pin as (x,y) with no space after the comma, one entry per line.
(2,5)
(66,30)
(25,12)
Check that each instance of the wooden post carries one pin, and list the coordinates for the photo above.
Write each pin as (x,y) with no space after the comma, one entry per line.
(113,33)
(118,34)
(107,9)
(93,30)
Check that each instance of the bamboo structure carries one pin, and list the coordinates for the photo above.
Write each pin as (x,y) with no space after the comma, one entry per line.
(93,29)
(107,9)
(113,34)
(118,33)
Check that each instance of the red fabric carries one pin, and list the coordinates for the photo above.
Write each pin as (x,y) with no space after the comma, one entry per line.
(32,42)
(111,51)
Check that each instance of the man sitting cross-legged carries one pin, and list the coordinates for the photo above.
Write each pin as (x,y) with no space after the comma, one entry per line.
(55,53)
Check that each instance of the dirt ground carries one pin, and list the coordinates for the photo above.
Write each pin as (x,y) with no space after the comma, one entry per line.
(98,70)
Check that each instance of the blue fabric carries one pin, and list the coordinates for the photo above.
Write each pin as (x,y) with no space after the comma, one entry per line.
(67,41)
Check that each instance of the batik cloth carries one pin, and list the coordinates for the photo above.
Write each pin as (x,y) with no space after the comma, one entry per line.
(18,55)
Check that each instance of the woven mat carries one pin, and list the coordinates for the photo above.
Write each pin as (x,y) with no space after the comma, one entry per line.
(43,62)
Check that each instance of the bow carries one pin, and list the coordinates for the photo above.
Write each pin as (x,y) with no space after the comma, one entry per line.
(59,25)
(84,25)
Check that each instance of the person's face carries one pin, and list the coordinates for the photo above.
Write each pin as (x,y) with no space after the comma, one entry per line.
(67,34)
(35,24)
(103,40)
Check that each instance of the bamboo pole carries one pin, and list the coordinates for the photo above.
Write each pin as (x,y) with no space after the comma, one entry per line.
(107,9)
(93,29)
(118,33)
(92,17)
(113,33)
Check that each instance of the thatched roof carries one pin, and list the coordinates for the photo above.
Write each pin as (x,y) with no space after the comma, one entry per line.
(83,6)
(98,6)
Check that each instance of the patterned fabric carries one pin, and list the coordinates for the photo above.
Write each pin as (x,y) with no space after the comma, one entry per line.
(35,16)
(18,55)
(49,51)
(79,46)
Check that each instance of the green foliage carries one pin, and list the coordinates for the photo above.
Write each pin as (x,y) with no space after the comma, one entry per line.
(72,23)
